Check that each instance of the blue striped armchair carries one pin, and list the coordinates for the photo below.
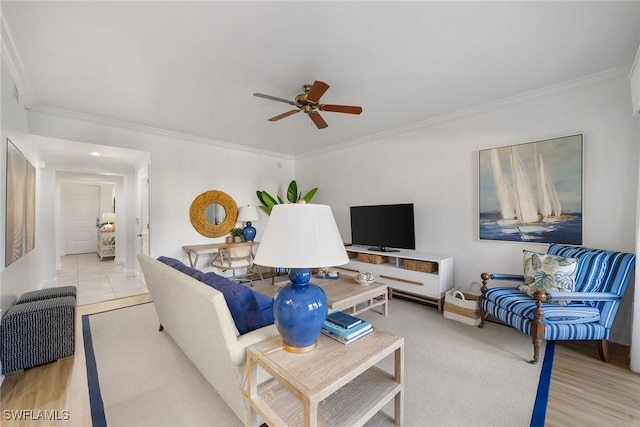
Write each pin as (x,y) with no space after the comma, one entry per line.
(584,312)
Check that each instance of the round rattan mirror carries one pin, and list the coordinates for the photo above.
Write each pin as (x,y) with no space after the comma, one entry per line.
(200,206)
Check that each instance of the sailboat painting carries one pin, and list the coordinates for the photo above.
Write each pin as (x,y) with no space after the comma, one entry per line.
(532,192)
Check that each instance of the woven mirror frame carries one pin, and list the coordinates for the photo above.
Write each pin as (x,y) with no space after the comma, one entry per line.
(198,217)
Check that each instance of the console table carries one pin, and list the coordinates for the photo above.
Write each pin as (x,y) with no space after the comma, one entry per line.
(332,385)
(194,251)
(106,244)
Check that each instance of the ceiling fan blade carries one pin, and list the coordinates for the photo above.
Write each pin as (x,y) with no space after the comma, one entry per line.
(317,90)
(283,115)
(317,120)
(350,109)
(274,98)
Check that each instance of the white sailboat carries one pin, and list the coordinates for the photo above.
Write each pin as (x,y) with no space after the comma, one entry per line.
(521,211)
(507,211)
(549,201)
(525,202)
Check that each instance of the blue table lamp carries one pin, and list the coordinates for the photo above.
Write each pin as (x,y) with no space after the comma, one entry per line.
(300,237)
(247,214)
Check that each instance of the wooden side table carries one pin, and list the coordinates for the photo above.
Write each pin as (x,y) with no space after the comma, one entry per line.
(332,385)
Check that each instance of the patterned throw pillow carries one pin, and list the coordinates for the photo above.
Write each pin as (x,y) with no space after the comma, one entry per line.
(544,272)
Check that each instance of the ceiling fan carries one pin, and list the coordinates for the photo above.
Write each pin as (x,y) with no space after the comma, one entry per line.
(308,102)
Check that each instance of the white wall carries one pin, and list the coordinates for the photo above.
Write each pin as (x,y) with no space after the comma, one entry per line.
(25,273)
(180,169)
(435,166)
(634,80)
(107,195)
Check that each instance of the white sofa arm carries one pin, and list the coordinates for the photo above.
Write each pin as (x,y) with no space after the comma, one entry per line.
(238,350)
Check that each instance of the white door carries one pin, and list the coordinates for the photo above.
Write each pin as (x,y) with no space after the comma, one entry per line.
(143,215)
(80,213)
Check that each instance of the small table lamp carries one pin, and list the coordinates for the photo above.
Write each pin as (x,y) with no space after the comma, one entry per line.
(109,218)
(300,237)
(247,214)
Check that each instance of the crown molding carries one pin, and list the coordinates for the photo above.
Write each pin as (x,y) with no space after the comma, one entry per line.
(61,112)
(636,64)
(483,108)
(10,55)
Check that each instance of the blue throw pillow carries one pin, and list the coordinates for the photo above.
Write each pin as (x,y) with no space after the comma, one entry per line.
(265,303)
(241,301)
(179,265)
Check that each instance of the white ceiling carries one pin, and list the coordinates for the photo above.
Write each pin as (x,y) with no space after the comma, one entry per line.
(192,67)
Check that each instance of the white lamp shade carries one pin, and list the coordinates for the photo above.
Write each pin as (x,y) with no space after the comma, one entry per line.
(248,213)
(301,236)
(109,217)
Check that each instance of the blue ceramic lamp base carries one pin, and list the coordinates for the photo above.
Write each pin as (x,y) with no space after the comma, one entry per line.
(300,309)
(249,232)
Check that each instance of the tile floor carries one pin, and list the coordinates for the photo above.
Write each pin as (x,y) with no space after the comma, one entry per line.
(97,280)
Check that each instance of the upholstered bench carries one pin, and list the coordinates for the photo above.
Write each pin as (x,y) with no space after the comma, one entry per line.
(47,293)
(38,331)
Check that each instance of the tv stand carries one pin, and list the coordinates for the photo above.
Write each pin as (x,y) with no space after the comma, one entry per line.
(383,249)
(408,274)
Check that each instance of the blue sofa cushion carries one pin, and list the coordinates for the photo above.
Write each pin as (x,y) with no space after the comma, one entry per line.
(179,265)
(266,306)
(552,331)
(593,265)
(242,302)
(514,301)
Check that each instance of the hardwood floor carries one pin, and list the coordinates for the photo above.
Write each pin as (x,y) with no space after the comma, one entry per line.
(587,392)
(584,391)
(59,388)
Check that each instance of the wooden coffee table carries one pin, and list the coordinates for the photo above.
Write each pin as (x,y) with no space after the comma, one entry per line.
(332,385)
(345,294)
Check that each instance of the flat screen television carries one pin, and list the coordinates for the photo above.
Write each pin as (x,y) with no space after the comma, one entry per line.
(383,227)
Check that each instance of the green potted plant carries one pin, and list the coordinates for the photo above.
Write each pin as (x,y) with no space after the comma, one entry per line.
(237,234)
(293,196)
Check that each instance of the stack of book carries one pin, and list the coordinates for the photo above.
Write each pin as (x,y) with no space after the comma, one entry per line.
(345,328)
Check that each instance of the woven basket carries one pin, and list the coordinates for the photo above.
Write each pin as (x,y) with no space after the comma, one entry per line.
(424,266)
(462,307)
(372,258)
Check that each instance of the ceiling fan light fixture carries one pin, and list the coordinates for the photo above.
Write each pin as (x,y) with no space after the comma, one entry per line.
(308,102)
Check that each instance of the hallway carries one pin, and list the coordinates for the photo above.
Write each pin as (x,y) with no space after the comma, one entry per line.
(97,280)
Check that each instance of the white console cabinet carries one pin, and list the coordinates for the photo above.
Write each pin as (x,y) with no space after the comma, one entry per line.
(106,244)
(406,273)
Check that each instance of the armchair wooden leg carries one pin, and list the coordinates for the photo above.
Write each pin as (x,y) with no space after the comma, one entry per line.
(536,351)
(537,327)
(603,350)
(483,290)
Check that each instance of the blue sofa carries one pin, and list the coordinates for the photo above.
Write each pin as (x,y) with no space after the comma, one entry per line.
(585,310)
(250,309)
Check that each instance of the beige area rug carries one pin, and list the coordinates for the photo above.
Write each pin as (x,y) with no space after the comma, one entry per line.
(142,378)
(461,375)
(455,374)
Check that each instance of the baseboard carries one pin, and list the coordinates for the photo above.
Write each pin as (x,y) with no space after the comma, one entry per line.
(620,337)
